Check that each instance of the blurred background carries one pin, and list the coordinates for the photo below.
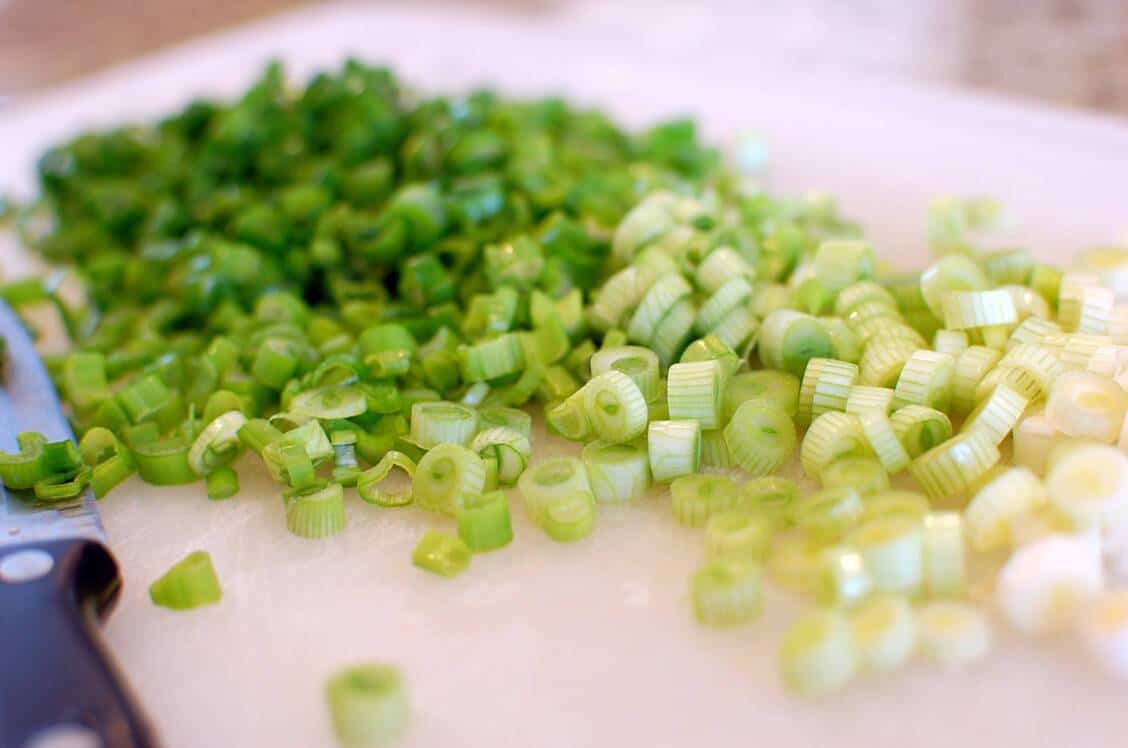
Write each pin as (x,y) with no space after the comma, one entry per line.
(1069,52)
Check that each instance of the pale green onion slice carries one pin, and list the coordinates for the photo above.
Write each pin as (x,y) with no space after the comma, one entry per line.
(818,654)
(842,262)
(885,632)
(825,387)
(1034,438)
(643,371)
(442,423)
(618,294)
(893,549)
(218,444)
(1044,586)
(570,517)
(895,502)
(483,521)
(952,633)
(666,292)
(475,394)
(1078,349)
(694,391)
(508,448)
(442,554)
(864,474)
(367,705)
(738,330)
(1104,631)
(615,407)
(570,418)
(618,473)
(444,473)
(673,332)
(777,387)
(997,415)
(720,266)
(769,298)
(726,592)
(549,480)
(1087,405)
(945,554)
(316,510)
(760,437)
(771,495)
(369,483)
(926,379)
(741,534)
(1029,369)
(309,438)
(795,561)
(1033,330)
(789,339)
(1089,485)
(862,292)
(828,514)
(971,309)
(1094,310)
(696,498)
(920,428)
(190,583)
(674,448)
(884,442)
(951,273)
(734,293)
(644,224)
(1070,288)
(336,401)
(950,342)
(831,437)
(843,580)
(712,348)
(714,449)
(491,359)
(863,398)
(847,344)
(950,469)
(1013,493)
(883,359)
(604,360)
(869,314)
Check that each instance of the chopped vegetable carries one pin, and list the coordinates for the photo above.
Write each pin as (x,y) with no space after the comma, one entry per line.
(442,554)
(367,704)
(190,583)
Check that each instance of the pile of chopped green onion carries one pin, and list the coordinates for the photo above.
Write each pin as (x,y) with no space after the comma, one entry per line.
(371,290)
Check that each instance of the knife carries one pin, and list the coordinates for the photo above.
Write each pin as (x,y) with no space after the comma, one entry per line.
(58,581)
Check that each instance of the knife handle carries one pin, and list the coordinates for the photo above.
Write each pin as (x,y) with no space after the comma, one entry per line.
(55,670)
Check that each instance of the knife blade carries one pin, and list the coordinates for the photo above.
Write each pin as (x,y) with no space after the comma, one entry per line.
(58,581)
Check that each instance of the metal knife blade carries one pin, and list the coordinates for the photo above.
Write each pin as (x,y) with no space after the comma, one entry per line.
(29,402)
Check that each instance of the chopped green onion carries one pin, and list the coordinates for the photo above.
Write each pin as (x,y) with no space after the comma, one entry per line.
(189,584)
(367,705)
(368,483)
(771,495)
(694,391)
(885,631)
(218,444)
(828,514)
(864,474)
(831,437)
(950,469)
(446,472)
(826,387)
(315,510)
(789,339)
(442,423)
(926,379)
(893,550)
(696,498)
(945,554)
(726,592)
(818,654)
(920,428)
(777,387)
(335,401)
(742,534)
(617,472)
(509,449)
(760,437)
(549,480)
(674,448)
(483,521)
(952,633)
(615,407)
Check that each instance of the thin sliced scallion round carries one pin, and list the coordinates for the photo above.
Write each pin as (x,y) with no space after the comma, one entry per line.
(367,705)
(895,502)
(218,444)
(222,483)
(842,580)
(570,517)
(735,292)
(945,554)
(330,402)
(643,371)
(842,262)
(483,521)
(847,344)
(864,474)
(444,473)
(617,473)
(825,387)
(1089,485)
(1045,585)
(893,549)
(570,418)
(694,391)
(818,655)
(511,418)
(435,423)
(742,534)
(884,442)
(316,510)
(789,339)
(552,479)
(883,359)
(508,448)
(492,359)
(441,554)
(1029,369)
(674,448)
(777,387)
(997,415)
(1087,405)
(673,332)
(831,437)
(920,428)
(738,330)
(828,514)
(953,272)
(1033,330)
(950,469)
(615,407)
(862,292)
(714,449)
(726,592)
(976,309)
(660,299)
(863,398)
(952,633)
(760,437)
(926,379)
(190,583)
(885,632)
(950,342)
(368,483)
(696,498)
(721,265)
(771,495)
(972,366)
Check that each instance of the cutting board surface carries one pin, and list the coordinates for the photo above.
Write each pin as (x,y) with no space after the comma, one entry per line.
(589,644)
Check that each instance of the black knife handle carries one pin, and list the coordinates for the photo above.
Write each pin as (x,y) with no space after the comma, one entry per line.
(55,670)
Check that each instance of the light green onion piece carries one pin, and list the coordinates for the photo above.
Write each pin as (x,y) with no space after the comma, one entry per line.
(883,359)
(884,442)
(444,473)
(696,498)
(615,407)
(509,449)
(828,514)
(843,580)
(789,339)
(972,366)
(673,332)
(920,428)
(953,272)
(831,437)
(893,549)
(926,379)
(842,262)
(952,633)
(777,387)
(662,297)
(714,449)
(483,521)
(218,444)
(818,654)
(222,483)
(367,705)
(771,495)
(896,502)
(760,437)
(694,392)
(864,474)
(885,632)
(189,584)
(335,401)
(847,343)
(998,414)
(825,387)
(726,592)
(316,510)
(368,483)
(740,534)
(442,554)
(570,418)
(950,469)
(511,418)
(442,423)
(618,473)
(735,292)
(674,448)
(795,561)
(549,480)
(945,554)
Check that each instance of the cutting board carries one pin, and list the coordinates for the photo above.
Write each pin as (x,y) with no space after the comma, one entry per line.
(590,644)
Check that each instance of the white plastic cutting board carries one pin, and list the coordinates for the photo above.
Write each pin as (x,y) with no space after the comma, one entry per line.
(590,644)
